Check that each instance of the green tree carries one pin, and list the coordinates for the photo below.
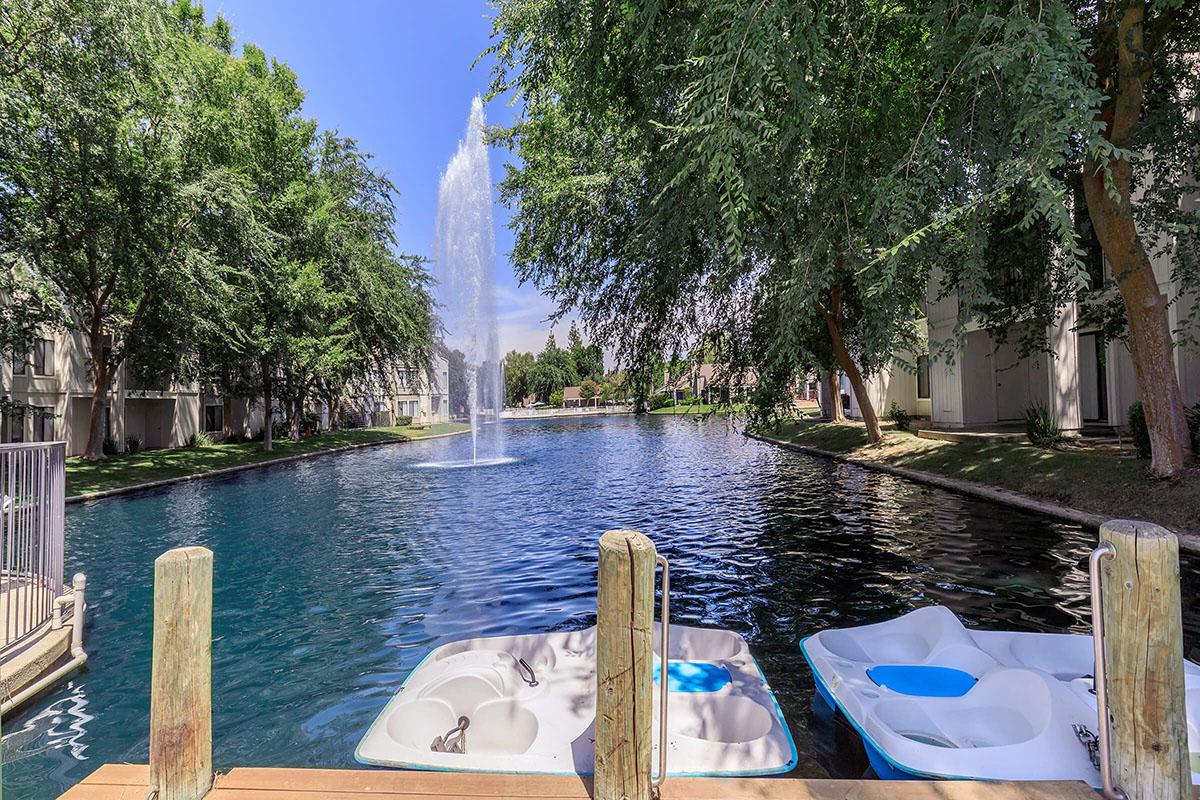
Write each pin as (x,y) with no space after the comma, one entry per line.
(588,390)
(100,196)
(518,367)
(725,176)
(553,370)
(588,359)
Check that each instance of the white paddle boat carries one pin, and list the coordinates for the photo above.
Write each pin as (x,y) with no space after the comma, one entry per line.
(527,704)
(932,699)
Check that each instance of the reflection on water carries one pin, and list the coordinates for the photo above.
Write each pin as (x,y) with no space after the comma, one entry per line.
(335,576)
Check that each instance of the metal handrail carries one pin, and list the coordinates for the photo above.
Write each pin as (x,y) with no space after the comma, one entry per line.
(1106,551)
(664,640)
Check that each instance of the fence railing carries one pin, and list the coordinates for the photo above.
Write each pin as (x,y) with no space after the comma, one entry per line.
(32,490)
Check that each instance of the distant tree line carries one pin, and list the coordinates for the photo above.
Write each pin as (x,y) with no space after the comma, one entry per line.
(163,196)
(545,375)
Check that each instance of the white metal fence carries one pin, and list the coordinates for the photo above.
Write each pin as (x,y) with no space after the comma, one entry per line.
(32,490)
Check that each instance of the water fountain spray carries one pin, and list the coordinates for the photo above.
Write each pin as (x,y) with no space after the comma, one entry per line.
(464,251)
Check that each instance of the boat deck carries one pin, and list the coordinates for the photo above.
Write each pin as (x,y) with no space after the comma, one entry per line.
(129,782)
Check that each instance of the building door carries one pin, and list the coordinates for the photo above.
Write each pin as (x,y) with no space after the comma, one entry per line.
(1093,379)
(1012,383)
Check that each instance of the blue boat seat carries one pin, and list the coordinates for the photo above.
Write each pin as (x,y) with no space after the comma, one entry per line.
(692,676)
(920,680)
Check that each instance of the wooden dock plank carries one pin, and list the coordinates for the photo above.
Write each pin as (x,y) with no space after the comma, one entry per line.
(129,782)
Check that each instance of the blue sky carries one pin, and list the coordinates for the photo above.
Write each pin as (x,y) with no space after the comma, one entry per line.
(397,76)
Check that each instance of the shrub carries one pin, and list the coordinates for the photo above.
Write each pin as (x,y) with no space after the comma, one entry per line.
(1193,419)
(556,399)
(660,400)
(198,439)
(1138,430)
(1140,433)
(899,416)
(133,444)
(235,437)
(280,429)
(403,422)
(110,446)
(1043,431)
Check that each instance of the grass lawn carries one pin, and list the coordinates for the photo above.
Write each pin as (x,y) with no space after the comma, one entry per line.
(1100,482)
(152,465)
(698,409)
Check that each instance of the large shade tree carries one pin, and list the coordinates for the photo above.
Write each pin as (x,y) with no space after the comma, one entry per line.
(729,164)
(101,199)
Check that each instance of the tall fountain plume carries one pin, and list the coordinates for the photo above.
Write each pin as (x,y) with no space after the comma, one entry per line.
(464,252)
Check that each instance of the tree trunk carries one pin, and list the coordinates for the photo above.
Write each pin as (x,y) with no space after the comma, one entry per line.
(268,416)
(332,402)
(227,416)
(1150,344)
(101,378)
(833,403)
(297,418)
(833,323)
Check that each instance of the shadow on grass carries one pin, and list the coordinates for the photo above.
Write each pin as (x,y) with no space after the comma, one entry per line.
(1102,483)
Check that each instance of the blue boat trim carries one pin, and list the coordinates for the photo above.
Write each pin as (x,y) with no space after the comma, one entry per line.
(869,744)
(922,680)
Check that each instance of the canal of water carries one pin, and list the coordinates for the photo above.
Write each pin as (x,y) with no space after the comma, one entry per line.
(335,576)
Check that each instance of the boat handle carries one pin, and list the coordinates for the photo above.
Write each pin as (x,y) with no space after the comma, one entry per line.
(1106,551)
(664,638)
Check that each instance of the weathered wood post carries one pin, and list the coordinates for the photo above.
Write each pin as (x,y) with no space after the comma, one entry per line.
(181,675)
(624,660)
(1143,654)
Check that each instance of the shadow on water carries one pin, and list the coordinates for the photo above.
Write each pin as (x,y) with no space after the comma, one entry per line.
(335,577)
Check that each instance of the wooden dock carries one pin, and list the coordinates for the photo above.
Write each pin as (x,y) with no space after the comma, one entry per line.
(130,782)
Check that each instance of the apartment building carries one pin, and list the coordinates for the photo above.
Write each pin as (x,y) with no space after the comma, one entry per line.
(51,387)
(979,382)
(51,392)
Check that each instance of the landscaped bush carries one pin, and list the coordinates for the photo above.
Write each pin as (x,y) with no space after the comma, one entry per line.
(110,446)
(660,400)
(198,439)
(403,422)
(1138,430)
(899,416)
(556,399)
(281,429)
(1140,433)
(1043,431)
(235,437)
(133,444)
(1194,427)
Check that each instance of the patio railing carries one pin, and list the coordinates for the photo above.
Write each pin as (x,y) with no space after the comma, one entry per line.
(32,490)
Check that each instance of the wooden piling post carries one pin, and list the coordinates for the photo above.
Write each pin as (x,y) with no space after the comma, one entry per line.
(181,675)
(1143,654)
(624,660)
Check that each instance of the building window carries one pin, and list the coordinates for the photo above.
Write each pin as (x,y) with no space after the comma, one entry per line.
(18,364)
(922,377)
(214,419)
(43,357)
(16,425)
(43,424)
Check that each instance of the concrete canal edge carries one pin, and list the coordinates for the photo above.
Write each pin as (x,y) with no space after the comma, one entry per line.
(271,462)
(1189,540)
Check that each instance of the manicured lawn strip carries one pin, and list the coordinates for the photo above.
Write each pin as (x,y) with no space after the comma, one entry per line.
(129,469)
(1099,483)
(698,409)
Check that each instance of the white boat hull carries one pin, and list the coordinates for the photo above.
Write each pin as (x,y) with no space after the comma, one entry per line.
(722,717)
(1008,706)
